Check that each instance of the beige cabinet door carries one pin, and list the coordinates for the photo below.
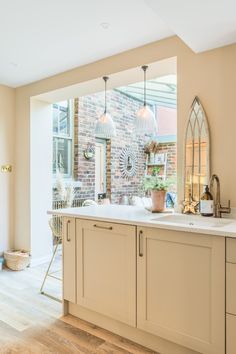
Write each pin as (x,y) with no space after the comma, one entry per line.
(181,288)
(69,261)
(231,288)
(106,269)
(230,334)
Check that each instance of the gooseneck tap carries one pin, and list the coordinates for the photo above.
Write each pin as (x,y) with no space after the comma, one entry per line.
(218,209)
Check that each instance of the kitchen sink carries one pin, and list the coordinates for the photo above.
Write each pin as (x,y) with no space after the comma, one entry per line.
(193,220)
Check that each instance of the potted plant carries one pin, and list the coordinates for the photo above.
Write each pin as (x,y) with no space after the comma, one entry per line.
(158,188)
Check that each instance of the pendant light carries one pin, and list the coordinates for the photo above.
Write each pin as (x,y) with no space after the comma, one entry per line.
(145,122)
(105,127)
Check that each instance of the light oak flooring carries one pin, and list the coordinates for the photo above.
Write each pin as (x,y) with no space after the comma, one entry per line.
(32,323)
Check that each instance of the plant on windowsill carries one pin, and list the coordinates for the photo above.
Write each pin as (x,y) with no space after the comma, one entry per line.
(158,188)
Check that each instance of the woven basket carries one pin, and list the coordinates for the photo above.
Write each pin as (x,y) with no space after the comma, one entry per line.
(17,259)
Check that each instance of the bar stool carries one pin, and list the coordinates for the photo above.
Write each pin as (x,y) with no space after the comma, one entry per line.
(55,224)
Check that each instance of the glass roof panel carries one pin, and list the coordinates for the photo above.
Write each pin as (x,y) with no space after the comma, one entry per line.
(161,91)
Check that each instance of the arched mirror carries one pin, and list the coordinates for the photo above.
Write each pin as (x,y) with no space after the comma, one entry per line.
(197,153)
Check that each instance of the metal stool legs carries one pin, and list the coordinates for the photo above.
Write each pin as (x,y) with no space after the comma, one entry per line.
(48,274)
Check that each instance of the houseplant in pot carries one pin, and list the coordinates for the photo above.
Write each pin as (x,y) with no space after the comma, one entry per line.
(157,188)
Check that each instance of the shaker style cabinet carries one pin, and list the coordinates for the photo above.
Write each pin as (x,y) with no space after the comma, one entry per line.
(230,296)
(69,259)
(106,269)
(180,288)
(168,283)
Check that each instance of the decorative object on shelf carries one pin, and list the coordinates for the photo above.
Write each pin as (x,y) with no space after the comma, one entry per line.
(151,147)
(89,152)
(155,160)
(197,152)
(128,163)
(145,122)
(158,188)
(190,206)
(105,127)
(160,159)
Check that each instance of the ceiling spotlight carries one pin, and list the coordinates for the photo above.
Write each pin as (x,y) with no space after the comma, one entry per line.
(105,25)
(12,63)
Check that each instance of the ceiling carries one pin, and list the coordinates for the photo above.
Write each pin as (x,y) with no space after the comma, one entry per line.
(201,24)
(40,38)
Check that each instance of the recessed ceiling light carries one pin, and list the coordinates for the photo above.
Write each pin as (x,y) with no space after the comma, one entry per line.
(12,63)
(105,25)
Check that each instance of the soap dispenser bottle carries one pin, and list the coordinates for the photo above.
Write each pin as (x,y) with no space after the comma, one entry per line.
(206,203)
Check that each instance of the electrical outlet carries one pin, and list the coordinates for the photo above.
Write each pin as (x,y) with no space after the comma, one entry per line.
(6,168)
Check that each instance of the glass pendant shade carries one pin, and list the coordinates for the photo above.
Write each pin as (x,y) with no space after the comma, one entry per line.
(145,122)
(105,127)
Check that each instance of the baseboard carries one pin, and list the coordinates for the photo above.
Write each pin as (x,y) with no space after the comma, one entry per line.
(134,334)
(41,260)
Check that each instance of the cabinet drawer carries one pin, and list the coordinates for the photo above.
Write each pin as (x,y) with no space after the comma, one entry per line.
(231,250)
(231,288)
(230,334)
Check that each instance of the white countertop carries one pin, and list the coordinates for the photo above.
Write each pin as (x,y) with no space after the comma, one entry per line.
(133,215)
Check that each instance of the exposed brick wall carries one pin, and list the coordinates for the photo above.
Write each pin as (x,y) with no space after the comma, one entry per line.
(123,110)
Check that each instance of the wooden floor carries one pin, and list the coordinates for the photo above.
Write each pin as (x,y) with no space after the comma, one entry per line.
(32,323)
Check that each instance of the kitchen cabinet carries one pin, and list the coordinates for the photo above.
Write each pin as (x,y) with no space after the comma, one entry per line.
(230,334)
(230,296)
(231,288)
(181,288)
(69,259)
(106,269)
(231,250)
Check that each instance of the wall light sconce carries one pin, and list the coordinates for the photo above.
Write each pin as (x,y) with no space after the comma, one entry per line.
(6,168)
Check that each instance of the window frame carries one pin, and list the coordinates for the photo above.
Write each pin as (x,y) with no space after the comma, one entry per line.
(69,136)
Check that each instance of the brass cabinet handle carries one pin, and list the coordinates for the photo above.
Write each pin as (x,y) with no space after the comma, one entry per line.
(67,231)
(140,243)
(103,227)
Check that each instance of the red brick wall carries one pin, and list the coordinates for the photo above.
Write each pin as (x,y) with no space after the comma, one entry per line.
(123,110)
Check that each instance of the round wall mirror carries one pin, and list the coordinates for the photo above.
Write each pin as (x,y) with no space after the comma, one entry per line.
(128,163)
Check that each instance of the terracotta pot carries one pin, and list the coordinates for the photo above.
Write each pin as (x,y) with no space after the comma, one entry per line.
(158,200)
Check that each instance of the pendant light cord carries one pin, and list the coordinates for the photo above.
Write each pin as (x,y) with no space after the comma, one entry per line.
(144,67)
(105,78)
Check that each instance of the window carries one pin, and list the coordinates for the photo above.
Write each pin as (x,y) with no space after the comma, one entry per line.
(62,138)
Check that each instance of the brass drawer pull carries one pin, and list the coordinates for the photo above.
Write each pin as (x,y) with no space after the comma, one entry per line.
(140,243)
(67,231)
(103,227)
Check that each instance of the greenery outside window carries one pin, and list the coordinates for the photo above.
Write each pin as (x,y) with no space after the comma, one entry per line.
(62,138)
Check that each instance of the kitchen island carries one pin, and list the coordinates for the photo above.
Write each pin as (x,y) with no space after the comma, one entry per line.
(164,281)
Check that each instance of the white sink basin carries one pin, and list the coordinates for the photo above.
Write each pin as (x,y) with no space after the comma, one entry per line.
(191,220)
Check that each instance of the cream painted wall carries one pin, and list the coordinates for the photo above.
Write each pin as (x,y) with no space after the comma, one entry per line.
(210,75)
(41,179)
(7,147)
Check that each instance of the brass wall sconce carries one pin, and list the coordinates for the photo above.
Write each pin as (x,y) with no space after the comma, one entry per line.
(6,168)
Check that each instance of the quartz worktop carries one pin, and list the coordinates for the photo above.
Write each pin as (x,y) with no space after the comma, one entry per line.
(133,215)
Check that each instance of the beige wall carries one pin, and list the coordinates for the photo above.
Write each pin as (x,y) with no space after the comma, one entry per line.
(210,75)
(7,146)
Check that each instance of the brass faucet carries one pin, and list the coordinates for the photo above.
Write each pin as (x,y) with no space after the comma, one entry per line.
(218,209)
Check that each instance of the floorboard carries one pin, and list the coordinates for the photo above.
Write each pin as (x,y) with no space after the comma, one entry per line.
(31,323)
